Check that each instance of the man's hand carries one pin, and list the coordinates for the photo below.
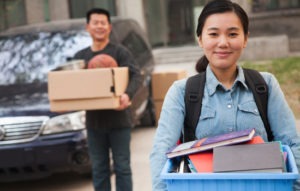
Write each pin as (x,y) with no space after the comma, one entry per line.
(124,102)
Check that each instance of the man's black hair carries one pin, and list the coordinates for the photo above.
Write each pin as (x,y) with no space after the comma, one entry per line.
(97,11)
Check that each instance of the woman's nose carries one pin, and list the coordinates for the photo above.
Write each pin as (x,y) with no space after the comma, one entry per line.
(223,41)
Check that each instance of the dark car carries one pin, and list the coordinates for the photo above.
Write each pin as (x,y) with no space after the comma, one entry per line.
(35,142)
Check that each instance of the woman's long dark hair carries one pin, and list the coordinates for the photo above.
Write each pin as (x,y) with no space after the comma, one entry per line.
(213,7)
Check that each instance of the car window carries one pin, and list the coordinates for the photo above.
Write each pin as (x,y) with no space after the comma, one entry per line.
(136,45)
(28,58)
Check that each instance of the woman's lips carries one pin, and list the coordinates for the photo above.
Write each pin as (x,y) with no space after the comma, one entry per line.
(222,54)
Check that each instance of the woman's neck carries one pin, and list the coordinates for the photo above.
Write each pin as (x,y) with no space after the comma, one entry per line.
(226,76)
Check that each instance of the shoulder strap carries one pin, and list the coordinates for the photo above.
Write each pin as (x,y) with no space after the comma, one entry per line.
(259,88)
(193,103)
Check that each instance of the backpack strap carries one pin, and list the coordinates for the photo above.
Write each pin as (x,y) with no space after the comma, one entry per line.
(193,102)
(259,88)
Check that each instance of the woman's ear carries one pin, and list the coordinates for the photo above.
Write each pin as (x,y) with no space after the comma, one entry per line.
(246,40)
(200,41)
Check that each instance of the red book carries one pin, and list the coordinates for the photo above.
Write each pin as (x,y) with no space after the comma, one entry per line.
(256,140)
(203,162)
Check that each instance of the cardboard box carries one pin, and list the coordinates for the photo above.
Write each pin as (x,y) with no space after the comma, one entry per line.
(84,104)
(86,89)
(162,80)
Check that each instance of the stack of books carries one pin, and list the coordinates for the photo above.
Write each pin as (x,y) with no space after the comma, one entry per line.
(238,151)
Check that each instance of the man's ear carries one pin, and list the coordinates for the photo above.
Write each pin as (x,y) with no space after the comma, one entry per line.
(110,27)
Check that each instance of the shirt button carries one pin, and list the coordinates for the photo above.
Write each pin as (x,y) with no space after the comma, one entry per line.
(229,106)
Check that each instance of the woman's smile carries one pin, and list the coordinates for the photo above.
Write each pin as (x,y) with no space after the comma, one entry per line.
(222,54)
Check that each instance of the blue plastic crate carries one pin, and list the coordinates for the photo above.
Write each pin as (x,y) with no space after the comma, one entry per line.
(232,181)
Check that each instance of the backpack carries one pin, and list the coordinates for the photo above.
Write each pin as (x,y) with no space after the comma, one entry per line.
(193,101)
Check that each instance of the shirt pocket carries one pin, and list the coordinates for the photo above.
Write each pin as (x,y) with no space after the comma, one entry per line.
(206,121)
(248,116)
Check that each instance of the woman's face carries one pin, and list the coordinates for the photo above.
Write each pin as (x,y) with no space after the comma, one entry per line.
(223,40)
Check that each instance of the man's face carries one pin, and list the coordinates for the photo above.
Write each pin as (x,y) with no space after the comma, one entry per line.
(99,27)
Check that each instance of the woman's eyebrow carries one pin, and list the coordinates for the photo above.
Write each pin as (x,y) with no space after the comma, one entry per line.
(213,28)
(234,28)
(229,29)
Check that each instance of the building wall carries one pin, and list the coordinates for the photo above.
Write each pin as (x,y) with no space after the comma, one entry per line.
(35,11)
(246,5)
(156,22)
(153,17)
(132,9)
(40,11)
(59,9)
(277,23)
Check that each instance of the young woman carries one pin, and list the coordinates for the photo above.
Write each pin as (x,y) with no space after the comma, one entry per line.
(228,104)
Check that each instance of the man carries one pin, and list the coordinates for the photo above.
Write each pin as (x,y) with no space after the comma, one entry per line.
(109,129)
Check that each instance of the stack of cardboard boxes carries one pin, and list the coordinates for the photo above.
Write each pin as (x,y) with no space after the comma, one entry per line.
(161,81)
(70,90)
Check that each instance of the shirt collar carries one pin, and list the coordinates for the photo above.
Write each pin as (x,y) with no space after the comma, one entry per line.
(212,82)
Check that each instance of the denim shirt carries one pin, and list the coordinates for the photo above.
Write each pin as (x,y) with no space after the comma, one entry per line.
(223,110)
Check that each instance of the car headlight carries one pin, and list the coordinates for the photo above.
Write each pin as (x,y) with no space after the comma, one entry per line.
(63,123)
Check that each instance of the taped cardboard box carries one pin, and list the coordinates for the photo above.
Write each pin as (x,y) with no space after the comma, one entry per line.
(162,80)
(86,89)
(85,104)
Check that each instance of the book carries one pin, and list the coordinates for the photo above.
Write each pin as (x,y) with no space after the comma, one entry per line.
(181,166)
(256,140)
(263,157)
(184,166)
(202,162)
(191,166)
(209,143)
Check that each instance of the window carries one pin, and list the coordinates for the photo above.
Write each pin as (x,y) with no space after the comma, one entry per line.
(12,13)
(263,5)
(27,58)
(78,8)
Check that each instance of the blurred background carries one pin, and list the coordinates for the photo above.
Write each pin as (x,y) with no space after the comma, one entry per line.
(274,46)
(167,23)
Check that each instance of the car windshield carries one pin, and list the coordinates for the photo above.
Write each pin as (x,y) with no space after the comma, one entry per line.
(25,61)
(27,58)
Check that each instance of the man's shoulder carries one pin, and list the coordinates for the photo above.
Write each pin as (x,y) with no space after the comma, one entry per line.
(116,46)
(82,51)
(118,50)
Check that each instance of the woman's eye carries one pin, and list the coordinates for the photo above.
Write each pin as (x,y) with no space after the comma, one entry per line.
(233,34)
(213,34)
